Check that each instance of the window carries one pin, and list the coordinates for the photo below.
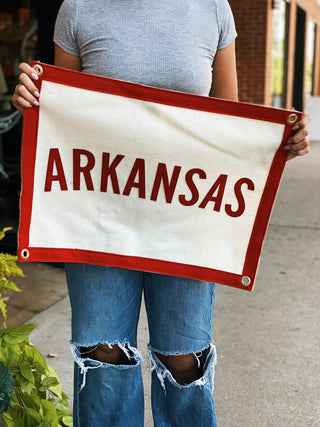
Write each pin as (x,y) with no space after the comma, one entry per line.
(310,54)
(279,53)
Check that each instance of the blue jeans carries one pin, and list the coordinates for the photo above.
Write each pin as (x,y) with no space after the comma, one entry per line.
(105,306)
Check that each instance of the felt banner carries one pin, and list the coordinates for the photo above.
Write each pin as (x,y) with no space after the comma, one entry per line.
(120,174)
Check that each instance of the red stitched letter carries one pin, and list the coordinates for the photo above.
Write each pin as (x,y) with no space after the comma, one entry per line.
(55,160)
(137,169)
(78,169)
(192,187)
(240,198)
(110,170)
(169,187)
(218,186)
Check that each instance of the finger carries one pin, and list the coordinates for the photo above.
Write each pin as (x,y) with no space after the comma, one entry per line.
(24,99)
(299,129)
(28,83)
(296,146)
(20,103)
(304,121)
(298,143)
(27,69)
(24,94)
(300,135)
(298,153)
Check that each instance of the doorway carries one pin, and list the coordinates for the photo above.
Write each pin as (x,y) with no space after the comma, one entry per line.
(298,85)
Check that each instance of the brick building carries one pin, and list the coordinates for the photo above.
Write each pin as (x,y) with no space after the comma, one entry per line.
(278,51)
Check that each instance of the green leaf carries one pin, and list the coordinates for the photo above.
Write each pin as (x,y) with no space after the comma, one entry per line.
(36,358)
(49,382)
(63,407)
(6,388)
(3,311)
(9,422)
(32,418)
(14,417)
(26,371)
(3,232)
(8,266)
(9,355)
(64,413)
(67,421)
(9,285)
(4,355)
(64,397)
(56,388)
(31,401)
(26,386)
(52,372)
(50,418)
(17,334)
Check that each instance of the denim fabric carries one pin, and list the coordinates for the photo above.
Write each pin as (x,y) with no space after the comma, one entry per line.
(105,306)
(179,406)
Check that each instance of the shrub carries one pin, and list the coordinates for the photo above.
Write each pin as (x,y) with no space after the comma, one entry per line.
(30,391)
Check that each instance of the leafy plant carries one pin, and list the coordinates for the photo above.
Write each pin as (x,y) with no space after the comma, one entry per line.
(36,397)
(8,267)
(6,388)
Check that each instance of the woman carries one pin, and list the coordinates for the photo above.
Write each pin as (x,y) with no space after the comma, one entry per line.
(182,46)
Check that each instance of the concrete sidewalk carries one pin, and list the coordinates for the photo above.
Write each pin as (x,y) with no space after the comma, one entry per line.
(268,341)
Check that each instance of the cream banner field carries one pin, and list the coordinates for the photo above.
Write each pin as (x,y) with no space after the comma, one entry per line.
(120,174)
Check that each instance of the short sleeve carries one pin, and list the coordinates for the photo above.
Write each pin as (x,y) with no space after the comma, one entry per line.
(66,28)
(227,29)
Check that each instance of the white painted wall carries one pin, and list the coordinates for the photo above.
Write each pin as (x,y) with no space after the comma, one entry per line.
(313,108)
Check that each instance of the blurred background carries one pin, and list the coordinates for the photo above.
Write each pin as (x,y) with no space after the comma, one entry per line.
(26,31)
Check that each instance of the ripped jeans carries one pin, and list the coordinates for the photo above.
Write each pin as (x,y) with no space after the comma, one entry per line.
(105,306)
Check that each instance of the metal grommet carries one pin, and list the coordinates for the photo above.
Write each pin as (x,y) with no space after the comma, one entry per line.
(292,118)
(38,69)
(245,280)
(25,254)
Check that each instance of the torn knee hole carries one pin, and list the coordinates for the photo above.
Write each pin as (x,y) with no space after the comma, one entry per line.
(106,353)
(178,362)
(184,368)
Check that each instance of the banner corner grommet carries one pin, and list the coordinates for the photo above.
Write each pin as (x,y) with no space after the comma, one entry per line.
(38,69)
(292,118)
(245,281)
(25,254)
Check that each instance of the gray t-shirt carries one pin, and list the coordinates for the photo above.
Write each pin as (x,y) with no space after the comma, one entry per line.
(169,44)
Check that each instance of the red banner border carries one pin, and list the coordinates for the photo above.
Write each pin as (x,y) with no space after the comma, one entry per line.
(166,97)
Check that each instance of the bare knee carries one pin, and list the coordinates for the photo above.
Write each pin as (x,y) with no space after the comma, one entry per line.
(183,367)
(106,354)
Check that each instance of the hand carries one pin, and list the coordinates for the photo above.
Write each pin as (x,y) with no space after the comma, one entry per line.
(298,144)
(26,93)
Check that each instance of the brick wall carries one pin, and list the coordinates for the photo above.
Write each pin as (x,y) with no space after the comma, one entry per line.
(252,23)
(254,48)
